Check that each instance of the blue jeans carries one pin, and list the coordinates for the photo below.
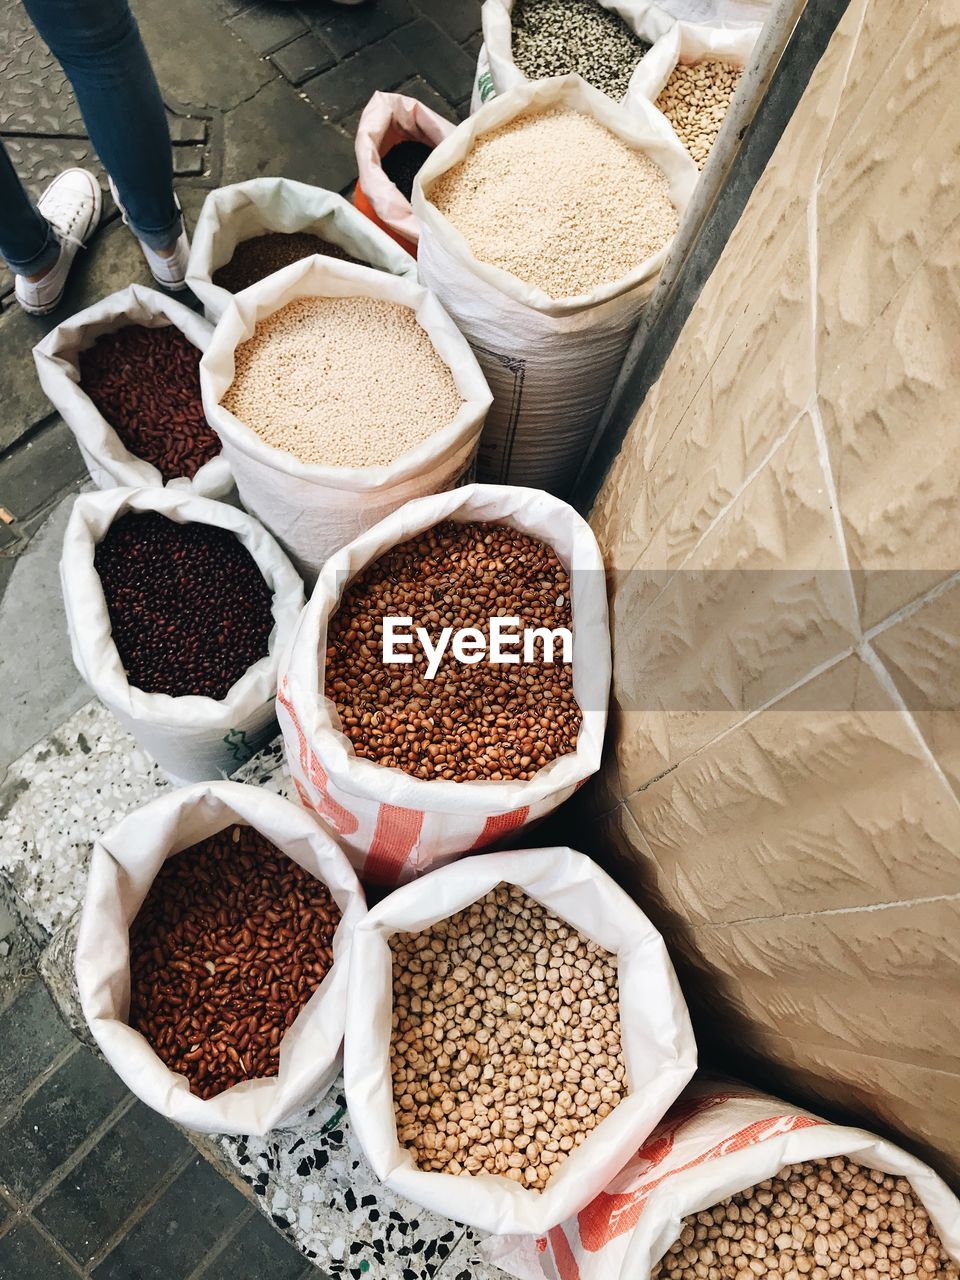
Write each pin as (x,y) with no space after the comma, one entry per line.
(97,42)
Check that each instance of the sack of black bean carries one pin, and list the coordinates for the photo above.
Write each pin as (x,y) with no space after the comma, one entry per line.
(447,683)
(177,608)
(526,1033)
(251,229)
(735,1183)
(124,374)
(212,956)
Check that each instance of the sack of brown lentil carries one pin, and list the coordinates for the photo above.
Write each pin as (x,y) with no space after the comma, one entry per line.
(691,75)
(525,1033)
(124,375)
(545,219)
(601,40)
(177,608)
(340,393)
(212,956)
(735,1183)
(251,229)
(394,137)
(413,765)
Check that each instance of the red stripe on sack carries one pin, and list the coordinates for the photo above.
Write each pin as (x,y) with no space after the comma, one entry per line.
(567,1268)
(397,833)
(500,825)
(341,819)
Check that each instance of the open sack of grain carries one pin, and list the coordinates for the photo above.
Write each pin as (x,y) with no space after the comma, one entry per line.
(177,608)
(340,393)
(545,220)
(525,1034)
(394,137)
(124,375)
(251,229)
(212,956)
(736,1183)
(412,769)
(691,75)
(601,40)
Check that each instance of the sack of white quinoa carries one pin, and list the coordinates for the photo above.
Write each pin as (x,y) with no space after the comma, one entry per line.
(723,1147)
(199,617)
(400,127)
(452,775)
(601,40)
(339,393)
(133,412)
(525,1032)
(206,994)
(691,74)
(250,229)
(545,220)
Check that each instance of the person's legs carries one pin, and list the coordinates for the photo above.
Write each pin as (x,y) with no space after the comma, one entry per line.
(27,242)
(98,44)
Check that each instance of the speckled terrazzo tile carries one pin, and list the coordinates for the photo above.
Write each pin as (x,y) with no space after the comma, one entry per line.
(315,1183)
(466,1261)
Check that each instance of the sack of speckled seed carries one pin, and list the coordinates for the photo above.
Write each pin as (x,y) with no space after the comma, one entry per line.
(177,608)
(394,137)
(738,1184)
(413,757)
(124,374)
(251,229)
(212,956)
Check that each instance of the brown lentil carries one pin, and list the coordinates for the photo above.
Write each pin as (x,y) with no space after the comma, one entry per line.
(189,608)
(262,255)
(559,201)
(506,1040)
(556,37)
(695,100)
(146,384)
(487,720)
(232,940)
(834,1220)
(343,382)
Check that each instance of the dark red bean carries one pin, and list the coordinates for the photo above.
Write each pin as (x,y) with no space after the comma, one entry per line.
(262,255)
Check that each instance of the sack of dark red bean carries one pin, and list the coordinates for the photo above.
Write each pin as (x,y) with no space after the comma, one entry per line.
(735,1183)
(415,756)
(125,376)
(212,956)
(177,608)
(251,229)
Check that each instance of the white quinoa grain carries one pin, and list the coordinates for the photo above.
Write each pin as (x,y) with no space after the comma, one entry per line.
(559,201)
(695,100)
(342,382)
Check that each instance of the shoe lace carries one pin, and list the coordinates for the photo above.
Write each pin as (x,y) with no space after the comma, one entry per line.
(62,213)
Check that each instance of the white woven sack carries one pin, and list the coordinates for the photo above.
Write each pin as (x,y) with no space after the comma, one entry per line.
(688,42)
(501,74)
(191,738)
(124,865)
(718,1140)
(314,510)
(109,462)
(394,826)
(260,205)
(658,1045)
(549,363)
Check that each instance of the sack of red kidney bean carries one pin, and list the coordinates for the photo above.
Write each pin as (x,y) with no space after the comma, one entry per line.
(177,608)
(736,1183)
(212,956)
(125,376)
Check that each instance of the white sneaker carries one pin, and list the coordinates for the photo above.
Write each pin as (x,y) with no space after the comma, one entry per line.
(171,271)
(71,204)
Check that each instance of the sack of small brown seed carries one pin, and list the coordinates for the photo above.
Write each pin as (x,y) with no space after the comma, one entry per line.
(144,424)
(529,1054)
(735,1183)
(270,211)
(227,982)
(184,645)
(397,820)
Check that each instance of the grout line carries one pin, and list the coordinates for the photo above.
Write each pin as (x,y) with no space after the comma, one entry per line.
(220,1245)
(55,1245)
(914,606)
(18,1103)
(70,1162)
(142,1209)
(827,911)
